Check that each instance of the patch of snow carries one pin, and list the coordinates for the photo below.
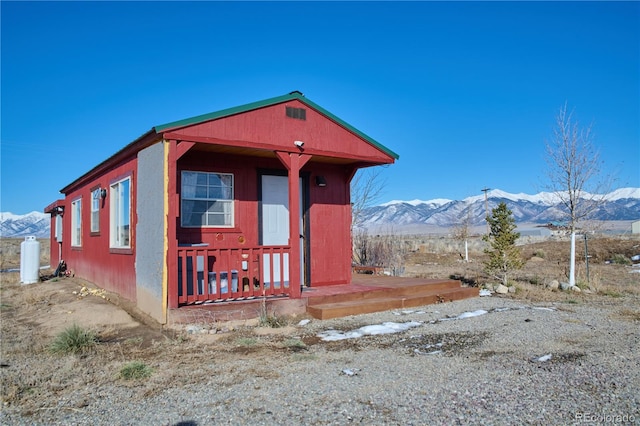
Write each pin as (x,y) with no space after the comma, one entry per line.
(394,327)
(304,322)
(623,193)
(419,352)
(544,358)
(416,202)
(34,214)
(549,198)
(350,371)
(368,330)
(484,292)
(466,315)
(472,314)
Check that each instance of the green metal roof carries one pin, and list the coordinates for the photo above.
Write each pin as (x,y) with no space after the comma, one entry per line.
(268,102)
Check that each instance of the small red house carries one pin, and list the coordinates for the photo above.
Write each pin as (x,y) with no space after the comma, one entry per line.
(246,202)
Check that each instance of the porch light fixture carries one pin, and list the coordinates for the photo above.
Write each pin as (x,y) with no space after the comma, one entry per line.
(103,193)
(321,181)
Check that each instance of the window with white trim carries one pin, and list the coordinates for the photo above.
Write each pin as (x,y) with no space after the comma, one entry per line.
(76,223)
(95,210)
(206,200)
(120,214)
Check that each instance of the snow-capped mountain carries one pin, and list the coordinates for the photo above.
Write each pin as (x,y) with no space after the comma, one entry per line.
(545,207)
(34,223)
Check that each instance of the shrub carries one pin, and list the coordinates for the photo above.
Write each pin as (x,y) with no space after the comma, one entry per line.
(582,285)
(273,321)
(539,253)
(135,370)
(74,340)
(535,280)
(611,293)
(267,320)
(247,341)
(620,259)
(295,344)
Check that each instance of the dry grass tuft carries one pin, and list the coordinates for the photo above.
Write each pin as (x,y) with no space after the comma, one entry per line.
(629,314)
(74,340)
(135,370)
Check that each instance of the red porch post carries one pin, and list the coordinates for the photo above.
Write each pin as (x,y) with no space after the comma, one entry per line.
(294,161)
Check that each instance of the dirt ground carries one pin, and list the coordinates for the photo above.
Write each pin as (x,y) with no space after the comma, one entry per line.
(545,261)
(32,315)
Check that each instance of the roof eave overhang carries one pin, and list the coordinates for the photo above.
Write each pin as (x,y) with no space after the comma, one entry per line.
(53,207)
(142,142)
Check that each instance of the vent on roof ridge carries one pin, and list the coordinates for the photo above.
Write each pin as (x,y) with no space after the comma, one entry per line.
(297,113)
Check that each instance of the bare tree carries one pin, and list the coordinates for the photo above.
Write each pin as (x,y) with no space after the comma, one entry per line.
(461,230)
(361,246)
(385,250)
(574,168)
(367,187)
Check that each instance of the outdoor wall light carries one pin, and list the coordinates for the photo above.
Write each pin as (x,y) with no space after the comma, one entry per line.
(321,181)
(103,193)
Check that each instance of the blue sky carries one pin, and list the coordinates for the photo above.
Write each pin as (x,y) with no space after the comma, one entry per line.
(465,93)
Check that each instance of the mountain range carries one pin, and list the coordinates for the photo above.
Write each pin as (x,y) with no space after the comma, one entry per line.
(15,225)
(545,207)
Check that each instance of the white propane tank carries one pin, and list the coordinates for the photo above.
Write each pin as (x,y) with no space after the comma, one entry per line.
(29,260)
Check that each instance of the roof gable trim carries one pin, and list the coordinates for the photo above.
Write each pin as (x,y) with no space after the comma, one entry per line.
(268,102)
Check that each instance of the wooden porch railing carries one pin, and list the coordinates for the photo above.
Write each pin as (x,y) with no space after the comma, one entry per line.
(210,275)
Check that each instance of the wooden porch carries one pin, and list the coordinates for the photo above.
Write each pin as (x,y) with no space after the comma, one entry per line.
(375,293)
(366,294)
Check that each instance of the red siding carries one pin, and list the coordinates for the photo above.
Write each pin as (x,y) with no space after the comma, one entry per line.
(245,174)
(330,235)
(269,126)
(95,261)
(329,213)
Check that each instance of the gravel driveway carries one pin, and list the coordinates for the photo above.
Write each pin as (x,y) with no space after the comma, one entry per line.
(517,363)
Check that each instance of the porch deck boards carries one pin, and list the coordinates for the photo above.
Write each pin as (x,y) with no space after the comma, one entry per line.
(365,294)
(374,293)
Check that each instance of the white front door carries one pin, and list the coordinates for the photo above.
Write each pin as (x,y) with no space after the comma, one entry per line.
(275,225)
(275,210)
